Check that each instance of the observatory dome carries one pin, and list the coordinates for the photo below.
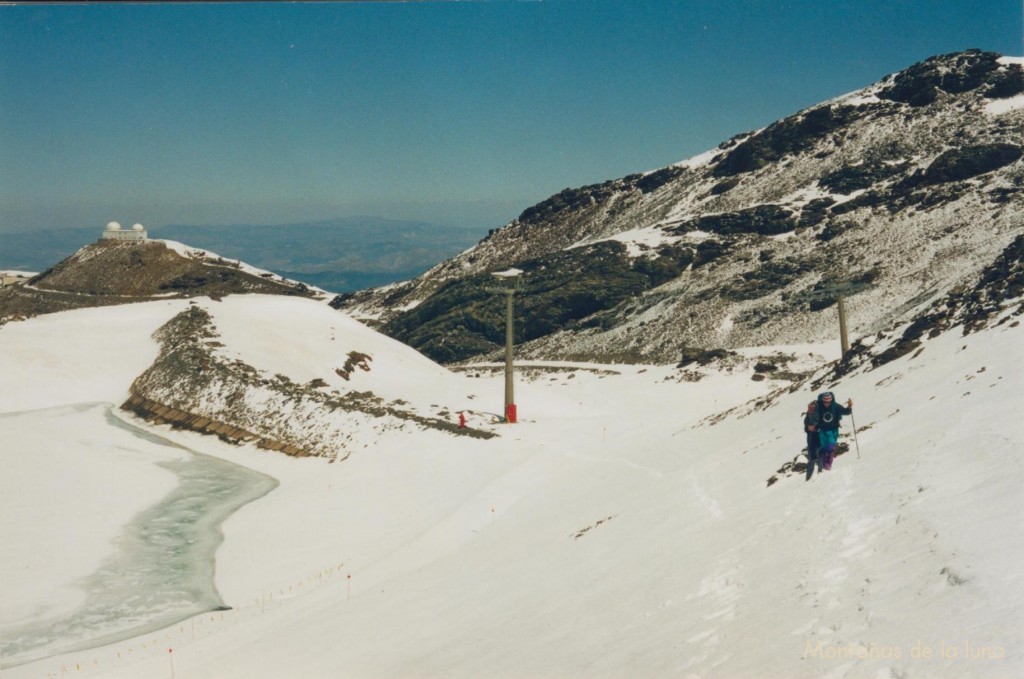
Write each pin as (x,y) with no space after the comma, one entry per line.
(113,226)
(138,227)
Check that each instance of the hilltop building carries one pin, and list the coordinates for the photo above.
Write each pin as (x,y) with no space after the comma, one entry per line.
(115,232)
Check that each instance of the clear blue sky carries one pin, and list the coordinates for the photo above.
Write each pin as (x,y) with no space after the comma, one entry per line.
(462,113)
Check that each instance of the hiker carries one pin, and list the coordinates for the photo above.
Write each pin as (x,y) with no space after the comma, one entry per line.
(462,420)
(827,415)
(813,443)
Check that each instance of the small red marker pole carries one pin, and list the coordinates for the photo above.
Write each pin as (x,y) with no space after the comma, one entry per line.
(348,591)
(170,655)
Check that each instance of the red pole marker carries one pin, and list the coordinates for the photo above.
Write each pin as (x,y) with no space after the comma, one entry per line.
(348,580)
(170,655)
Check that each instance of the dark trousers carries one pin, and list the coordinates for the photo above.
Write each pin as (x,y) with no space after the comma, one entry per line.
(813,453)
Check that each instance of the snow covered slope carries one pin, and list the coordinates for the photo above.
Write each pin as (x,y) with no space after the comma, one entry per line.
(626,527)
(295,375)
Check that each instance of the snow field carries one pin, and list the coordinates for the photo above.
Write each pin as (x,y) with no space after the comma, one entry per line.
(616,532)
(305,340)
(63,495)
(79,356)
(64,501)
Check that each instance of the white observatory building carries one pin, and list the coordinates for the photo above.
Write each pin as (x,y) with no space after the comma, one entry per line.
(115,232)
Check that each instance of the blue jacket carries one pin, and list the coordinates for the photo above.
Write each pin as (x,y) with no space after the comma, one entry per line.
(828,418)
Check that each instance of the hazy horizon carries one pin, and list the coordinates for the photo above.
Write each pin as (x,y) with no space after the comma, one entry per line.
(460,114)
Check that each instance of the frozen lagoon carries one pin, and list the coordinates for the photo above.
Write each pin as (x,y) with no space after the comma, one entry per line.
(108,531)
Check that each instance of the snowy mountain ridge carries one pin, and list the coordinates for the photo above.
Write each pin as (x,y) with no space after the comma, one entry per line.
(902,190)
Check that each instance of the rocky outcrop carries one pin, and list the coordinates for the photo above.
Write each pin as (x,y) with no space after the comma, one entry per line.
(792,135)
(158,413)
(192,385)
(767,220)
(957,165)
(956,73)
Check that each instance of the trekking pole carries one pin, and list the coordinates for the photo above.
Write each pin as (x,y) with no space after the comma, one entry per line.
(853,423)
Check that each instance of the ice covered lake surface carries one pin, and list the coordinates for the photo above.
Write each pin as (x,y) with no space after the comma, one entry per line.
(153,562)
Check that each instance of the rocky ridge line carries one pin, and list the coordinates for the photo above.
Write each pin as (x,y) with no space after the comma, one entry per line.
(903,190)
(191,384)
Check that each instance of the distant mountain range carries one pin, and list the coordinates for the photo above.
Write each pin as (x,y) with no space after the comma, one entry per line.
(341,255)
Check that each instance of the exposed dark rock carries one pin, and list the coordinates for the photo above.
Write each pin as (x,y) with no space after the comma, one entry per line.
(113,272)
(796,133)
(910,340)
(708,251)
(954,73)
(1000,282)
(338,302)
(724,185)
(863,154)
(819,303)
(767,220)
(356,359)
(198,282)
(171,390)
(1007,83)
(834,228)
(702,356)
(655,180)
(670,262)
(963,163)
(824,293)
(1001,195)
(815,211)
(570,199)
(148,269)
(866,199)
(767,278)
(567,200)
(850,178)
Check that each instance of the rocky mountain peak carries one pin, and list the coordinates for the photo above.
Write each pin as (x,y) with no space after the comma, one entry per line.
(899,191)
(953,74)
